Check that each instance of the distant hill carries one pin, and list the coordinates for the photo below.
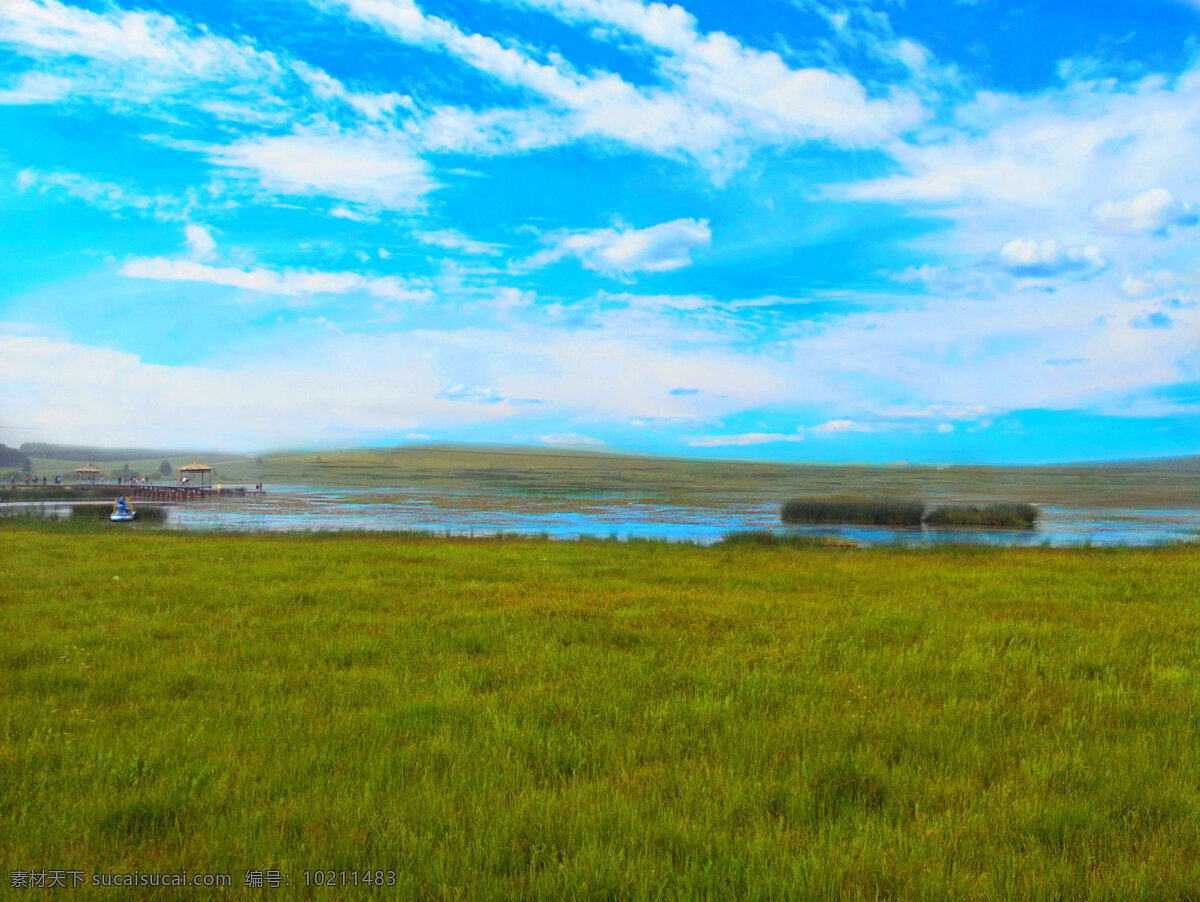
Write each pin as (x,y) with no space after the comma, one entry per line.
(1189,464)
(505,472)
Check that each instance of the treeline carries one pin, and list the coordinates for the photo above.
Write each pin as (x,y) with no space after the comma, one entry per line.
(84,452)
(13,457)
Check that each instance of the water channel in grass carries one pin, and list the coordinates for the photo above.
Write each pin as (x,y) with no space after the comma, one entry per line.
(308,509)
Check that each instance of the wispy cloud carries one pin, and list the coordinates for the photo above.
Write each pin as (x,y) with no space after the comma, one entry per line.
(619,251)
(36,87)
(570,439)
(107,196)
(137,56)
(452,240)
(468,393)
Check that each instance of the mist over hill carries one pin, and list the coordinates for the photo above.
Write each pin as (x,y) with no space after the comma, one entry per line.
(50,451)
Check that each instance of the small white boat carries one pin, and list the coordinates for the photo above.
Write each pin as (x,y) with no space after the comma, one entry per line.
(122,511)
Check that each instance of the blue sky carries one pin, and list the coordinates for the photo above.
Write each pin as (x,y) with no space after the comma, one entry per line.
(785,229)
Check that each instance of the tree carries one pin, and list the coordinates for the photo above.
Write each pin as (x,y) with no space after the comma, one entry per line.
(27,467)
(11,457)
(165,468)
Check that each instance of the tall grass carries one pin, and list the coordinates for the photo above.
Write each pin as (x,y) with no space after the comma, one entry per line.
(763,538)
(1009,516)
(878,512)
(145,513)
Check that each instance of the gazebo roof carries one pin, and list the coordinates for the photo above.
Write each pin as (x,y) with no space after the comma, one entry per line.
(88,469)
(195,467)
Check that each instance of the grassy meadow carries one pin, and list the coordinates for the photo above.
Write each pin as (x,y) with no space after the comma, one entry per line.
(529,477)
(522,719)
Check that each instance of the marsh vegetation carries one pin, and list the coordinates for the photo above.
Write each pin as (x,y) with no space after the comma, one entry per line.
(1000,516)
(876,512)
(888,512)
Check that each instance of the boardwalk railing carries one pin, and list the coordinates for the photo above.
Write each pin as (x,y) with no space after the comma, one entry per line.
(145,491)
(168,492)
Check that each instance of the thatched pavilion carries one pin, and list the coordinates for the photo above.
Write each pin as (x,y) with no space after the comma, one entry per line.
(87,474)
(204,470)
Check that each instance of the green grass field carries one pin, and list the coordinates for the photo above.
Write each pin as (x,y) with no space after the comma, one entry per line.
(524,719)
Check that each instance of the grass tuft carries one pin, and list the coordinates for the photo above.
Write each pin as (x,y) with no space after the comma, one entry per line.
(764,538)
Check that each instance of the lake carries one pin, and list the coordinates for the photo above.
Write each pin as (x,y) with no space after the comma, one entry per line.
(305,508)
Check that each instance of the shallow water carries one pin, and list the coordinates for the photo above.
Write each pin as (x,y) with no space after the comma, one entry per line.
(304,508)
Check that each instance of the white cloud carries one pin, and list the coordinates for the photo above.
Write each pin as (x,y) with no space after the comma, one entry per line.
(832,427)
(1053,151)
(199,241)
(947,361)
(452,240)
(1046,259)
(745,438)
(284,283)
(569,439)
(376,169)
(755,91)
(353,215)
(334,391)
(1153,284)
(719,95)
(925,273)
(134,56)
(1003,354)
(1155,210)
(616,251)
(58,29)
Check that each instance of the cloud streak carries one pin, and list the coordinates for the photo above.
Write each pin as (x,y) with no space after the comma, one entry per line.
(278,283)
